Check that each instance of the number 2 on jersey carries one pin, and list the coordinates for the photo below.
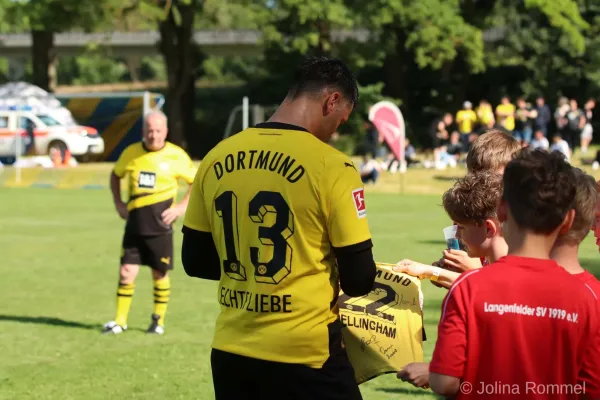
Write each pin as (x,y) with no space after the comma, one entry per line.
(280,265)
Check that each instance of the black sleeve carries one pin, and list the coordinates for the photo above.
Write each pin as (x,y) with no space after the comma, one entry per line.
(199,255)
(357,268)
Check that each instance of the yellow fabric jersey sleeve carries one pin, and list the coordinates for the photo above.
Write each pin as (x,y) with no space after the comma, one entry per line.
(383,331)
(184,167)
(276,199)
(152,181)
(343,202)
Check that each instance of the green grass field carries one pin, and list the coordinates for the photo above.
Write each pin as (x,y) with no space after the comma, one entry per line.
(59,272)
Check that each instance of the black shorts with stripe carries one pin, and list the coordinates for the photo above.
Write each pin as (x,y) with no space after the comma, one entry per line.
(155,251)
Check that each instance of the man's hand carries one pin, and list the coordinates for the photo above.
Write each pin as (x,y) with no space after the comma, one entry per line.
(413,268)
(122,209)
(460,261)
(171,214)
(417,374)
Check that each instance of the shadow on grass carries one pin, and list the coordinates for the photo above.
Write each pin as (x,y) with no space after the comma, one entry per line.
(446,178)
(436,242)
(408,391)
(48,321)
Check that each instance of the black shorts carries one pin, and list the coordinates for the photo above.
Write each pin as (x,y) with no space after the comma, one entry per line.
(153,251)
(239,378)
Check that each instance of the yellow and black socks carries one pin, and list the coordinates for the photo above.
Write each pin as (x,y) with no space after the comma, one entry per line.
(124,298)
(162,290)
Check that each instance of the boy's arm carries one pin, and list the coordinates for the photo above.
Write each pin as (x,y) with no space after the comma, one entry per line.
(450,353)
(443,277)
(444,385)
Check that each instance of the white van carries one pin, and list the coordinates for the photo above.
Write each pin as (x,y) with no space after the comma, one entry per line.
(41,134)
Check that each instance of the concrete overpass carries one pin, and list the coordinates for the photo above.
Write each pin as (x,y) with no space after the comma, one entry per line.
(136,44)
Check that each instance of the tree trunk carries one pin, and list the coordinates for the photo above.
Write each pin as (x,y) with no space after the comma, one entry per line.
(43,60)
(395,66)
(324,46)
(177,49)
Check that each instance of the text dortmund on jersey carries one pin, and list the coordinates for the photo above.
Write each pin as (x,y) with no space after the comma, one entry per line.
(274,162)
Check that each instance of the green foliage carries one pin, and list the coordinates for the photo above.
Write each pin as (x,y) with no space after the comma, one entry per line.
(60,15)
(304,26)
(433,30)
(564,15)
(240,14)
(97,69)
(426,55)
(153,69)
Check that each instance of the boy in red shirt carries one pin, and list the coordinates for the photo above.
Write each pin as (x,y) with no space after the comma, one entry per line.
(523,325)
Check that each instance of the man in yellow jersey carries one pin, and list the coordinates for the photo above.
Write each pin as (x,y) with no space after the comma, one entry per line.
(466,119)
(485,116)
(152,168)
(278,216)
(505,114)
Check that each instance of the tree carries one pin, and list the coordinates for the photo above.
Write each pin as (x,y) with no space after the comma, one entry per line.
(43,18)
(543,49)
(175,22)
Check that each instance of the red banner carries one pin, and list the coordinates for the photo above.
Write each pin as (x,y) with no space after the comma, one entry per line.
(389,121)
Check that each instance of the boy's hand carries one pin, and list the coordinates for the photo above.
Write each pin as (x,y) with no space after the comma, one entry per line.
(413,268)
(417,374)
(459,261)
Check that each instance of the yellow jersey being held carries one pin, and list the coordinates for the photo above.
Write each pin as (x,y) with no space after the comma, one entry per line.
(383,331)
(152,184)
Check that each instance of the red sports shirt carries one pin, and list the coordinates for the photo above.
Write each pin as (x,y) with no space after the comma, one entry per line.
(591,371)
(514,329)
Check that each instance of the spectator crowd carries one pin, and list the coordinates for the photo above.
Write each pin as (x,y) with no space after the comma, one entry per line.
(535,126)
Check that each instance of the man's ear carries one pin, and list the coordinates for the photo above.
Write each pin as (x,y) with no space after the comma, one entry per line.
(567,223)
(332,102)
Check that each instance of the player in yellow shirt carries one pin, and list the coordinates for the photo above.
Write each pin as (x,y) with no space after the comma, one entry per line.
(466,118)
(485,116)
(278,216)
(505,114)
(152,168)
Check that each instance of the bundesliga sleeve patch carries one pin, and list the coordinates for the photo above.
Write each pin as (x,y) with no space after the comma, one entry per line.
(358,195)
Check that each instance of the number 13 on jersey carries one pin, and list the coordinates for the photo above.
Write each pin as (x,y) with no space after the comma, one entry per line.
(276,236)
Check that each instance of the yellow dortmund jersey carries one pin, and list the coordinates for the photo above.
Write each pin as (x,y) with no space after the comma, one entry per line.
(152,181)
(509,122)
(465,120)
(276,199)
(384,329)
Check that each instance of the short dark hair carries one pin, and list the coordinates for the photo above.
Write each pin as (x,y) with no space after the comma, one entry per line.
(318,73)
(539,188)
